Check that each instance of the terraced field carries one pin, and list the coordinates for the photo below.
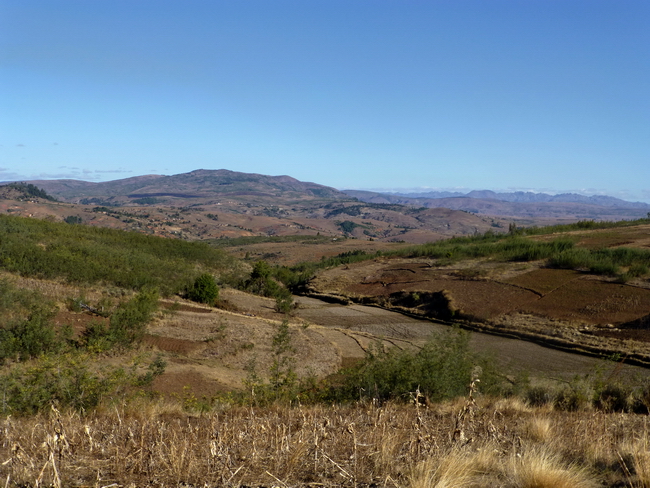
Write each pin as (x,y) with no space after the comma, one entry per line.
(561,308)
(210,350)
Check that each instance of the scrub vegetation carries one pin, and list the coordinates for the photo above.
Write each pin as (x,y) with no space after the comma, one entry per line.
(519,245)
(78,406)
(85,254)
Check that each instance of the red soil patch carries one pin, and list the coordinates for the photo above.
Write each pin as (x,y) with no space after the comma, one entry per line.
(544,280)
(559,294)
(186,382)
(170,344)
(593,301)
(481,299)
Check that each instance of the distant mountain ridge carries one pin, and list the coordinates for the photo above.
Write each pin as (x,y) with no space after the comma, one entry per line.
(529,197)
(217,204)
(248,190)
(520,205)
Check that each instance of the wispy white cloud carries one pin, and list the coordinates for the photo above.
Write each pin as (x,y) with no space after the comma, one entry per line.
(7,175)
(55,176)
(112,171)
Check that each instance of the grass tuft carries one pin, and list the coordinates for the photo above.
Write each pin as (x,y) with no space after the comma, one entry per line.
(541,468)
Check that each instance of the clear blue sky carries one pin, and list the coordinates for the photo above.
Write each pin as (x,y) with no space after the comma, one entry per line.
(548,95)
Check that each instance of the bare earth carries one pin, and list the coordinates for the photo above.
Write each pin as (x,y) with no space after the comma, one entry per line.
(561,308)
(211,350)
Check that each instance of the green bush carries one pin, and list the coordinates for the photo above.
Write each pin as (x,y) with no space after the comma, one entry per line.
(283,384)
(264,282)
(84,254)
(27,331)
(614,398)
(284,303)
(570,400)
(538,396)
(29,338)
(62,379)
(74,380)
(129,321)
(442,369)
(204,290)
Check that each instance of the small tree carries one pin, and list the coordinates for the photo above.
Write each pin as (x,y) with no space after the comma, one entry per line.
(282,375)
(128,323)
(204,289)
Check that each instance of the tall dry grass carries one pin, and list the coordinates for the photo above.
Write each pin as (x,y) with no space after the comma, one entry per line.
(391,445)
(546,468)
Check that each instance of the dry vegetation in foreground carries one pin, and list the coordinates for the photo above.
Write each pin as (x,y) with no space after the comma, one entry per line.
(489,443)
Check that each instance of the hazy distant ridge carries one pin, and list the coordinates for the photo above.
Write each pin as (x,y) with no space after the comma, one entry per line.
(250,189)
(529,197)
(522,205)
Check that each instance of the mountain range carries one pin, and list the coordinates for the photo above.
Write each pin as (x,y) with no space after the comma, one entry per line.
(529,197)
(259,205)
(520,205)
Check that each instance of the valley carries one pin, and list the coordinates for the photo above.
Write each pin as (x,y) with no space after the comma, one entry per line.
(328,342)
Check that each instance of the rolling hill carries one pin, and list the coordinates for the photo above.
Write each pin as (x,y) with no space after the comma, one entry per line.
(200,186)
(215,204)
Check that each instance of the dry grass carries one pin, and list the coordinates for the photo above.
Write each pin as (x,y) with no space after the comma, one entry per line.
(543,468)
(634,457)
(539,429)
(455,469)
(393,445)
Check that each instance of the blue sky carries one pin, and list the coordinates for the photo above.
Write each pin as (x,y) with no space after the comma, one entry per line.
(543,95)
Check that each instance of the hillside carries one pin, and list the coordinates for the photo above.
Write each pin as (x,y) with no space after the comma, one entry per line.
(196,187)
(223,204)
(219,204)
(368,376)
(587,291)
(561,292)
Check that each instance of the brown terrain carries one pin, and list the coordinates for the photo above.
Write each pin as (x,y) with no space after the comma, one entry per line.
(229,219)
(565,309)
(210,350)
(209,204)
(536,318)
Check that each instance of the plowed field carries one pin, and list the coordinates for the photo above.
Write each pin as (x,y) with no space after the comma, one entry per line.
(567,307)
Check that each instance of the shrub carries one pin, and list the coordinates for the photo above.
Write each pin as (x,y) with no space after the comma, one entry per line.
(284,303)
(263,281)
(283,383)
(204,289)
(68,380)
(613,398)
(538,396)
(128,322)
(85,254)
(27,331)
(442,369)
(570,400)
